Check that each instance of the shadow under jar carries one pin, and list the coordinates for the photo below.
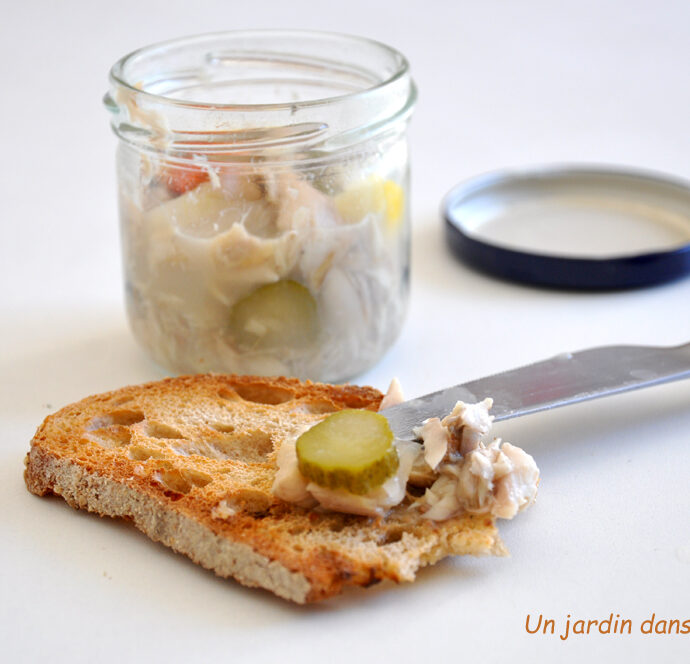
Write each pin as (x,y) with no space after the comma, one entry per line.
(263,189)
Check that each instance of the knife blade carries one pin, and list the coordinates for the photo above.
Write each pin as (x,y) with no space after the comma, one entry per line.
(565,379)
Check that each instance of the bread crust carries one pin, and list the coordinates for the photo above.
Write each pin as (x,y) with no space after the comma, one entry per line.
(191,460)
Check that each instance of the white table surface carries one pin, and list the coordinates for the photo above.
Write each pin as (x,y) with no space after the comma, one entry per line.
(501,85)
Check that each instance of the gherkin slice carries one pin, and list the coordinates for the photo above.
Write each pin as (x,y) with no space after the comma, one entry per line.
(351,450)
(278,315)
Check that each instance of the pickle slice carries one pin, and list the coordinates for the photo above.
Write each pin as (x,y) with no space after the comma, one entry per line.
(282,314)
(351,449)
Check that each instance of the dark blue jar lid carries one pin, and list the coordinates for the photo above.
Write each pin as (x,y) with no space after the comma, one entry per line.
(573,227)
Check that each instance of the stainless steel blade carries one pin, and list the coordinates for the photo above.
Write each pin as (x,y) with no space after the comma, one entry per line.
(562,380)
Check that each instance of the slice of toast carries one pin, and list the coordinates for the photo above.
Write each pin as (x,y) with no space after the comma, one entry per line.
(191,461)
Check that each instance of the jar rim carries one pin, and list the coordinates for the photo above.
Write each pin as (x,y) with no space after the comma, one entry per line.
(117,71)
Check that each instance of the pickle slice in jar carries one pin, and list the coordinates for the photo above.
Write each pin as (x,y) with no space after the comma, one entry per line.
(281,314)
(351,450)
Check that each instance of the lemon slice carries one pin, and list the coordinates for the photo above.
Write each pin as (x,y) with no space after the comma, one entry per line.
(351,450)
(373,195)
(278,315)
(395,203)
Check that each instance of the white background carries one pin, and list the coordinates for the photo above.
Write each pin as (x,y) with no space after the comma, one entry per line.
(501,84)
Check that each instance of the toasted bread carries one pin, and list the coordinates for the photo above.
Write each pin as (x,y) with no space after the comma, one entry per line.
(191,461)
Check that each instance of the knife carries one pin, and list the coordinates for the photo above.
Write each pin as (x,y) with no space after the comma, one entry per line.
(562,380)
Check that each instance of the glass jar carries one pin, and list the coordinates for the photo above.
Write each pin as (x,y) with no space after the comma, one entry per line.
(264,201)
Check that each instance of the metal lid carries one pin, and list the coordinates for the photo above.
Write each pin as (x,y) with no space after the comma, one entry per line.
(573,227)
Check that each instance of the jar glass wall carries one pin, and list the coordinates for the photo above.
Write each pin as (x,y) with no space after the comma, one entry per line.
(264,201)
